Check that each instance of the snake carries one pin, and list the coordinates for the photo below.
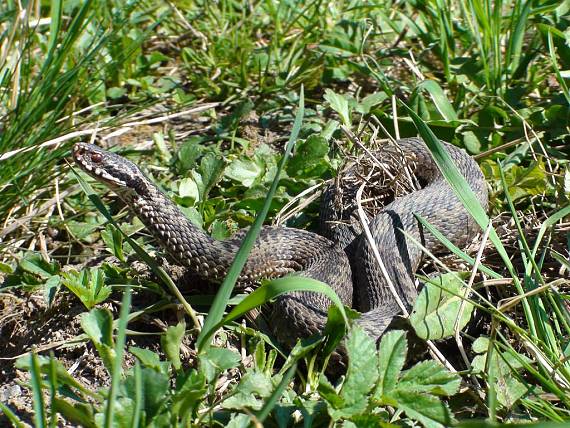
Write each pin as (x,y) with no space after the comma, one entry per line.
(340,255)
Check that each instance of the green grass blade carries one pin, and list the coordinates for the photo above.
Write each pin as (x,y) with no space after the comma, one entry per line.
(55,27)
(138,401)
(52,376)
(276,394)
(454,249)
(271,289)
(117,364)
(11,416)
(467,197)
(547,224)
(554,62)
(38,399)
(220,302)
(439,99)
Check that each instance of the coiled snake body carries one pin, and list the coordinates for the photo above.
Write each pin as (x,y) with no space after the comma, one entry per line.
(282,250)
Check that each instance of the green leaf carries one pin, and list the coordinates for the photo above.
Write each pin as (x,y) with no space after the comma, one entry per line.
(189,153)
(149,359)
(211,169)
(88,285)
(370,101)
(391,359)
(339,103)
(98,325)
(308,154)
(188,188)
(155,389)
(427,409)
(430,377)
(252,388)
(437,307)
(244,171)
(190,390)
(171,341)
(361,376)
(439,99)
(275,287)
(216,360)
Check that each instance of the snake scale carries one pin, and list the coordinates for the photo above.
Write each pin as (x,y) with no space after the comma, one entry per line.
(340,256)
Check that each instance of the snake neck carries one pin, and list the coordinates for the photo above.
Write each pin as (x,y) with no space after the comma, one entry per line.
(183,240)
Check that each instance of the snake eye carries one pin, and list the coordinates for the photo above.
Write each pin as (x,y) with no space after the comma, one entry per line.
(96,157)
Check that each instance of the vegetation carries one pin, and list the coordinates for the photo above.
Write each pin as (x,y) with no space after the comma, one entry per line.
(237,109)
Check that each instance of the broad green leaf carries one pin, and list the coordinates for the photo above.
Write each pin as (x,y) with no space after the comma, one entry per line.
(50,288)
(249,393)
(155,389)
(34,263)
(244,171)
(361,375)
(437,307)
(430,377)
(427,409)
(308,154)
(98,325)
(171,341)
(149,359)
(216,360)
(391,359)
(370,101)
(188,154)
(339,103)
(188,188)
(211,169)
(190,390)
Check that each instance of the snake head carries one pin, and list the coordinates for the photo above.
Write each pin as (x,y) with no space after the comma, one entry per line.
(109,168)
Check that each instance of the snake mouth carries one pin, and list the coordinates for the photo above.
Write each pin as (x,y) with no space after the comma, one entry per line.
(95,162)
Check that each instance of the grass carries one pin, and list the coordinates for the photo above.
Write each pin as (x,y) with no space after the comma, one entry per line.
(488,76)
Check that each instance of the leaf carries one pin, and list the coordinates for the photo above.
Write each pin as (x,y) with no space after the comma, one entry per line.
(437,307)
(370,101)
(430,377)
(439,99)
(189,153)
(155,388)
(88,285)
(526,180)
(252,388)
(427,409)
(361,375)
(149,359)
(244,171)
(188,188)
(308,154)
(339,103)
(275,287)
(216,360)
(211,169)
(190,390)
(171,341)
(50,288)
(98,325)
(391,359)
